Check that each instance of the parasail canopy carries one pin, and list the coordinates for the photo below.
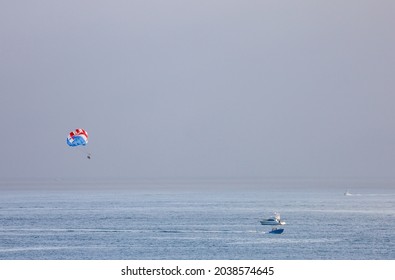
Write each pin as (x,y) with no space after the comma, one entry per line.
(77,137)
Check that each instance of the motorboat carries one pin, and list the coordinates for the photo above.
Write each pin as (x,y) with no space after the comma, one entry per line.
(276,231)
(272,222)
(275,220)
(347,193)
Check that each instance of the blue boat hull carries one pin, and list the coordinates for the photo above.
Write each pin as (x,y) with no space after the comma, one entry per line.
(276,231)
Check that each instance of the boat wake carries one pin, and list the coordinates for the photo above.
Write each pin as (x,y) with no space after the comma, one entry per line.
(369,194)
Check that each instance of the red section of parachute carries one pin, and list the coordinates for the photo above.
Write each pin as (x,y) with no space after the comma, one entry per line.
(79,131)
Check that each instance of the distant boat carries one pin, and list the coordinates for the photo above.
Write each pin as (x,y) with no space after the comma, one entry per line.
(347,193)
(275,220)
(276,231)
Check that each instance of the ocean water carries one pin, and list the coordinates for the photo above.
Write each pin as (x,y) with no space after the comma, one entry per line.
(208,224)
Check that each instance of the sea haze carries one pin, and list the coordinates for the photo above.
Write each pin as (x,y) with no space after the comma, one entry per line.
(149,223)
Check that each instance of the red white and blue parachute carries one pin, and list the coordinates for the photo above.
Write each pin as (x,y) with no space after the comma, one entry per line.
(77,137)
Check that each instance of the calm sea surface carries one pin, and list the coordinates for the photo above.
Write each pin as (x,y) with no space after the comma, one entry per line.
(159,224)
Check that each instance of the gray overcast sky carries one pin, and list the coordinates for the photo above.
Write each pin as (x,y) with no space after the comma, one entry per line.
(208,88)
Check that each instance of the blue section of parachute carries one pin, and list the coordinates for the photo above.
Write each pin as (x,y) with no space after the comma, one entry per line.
(77,141)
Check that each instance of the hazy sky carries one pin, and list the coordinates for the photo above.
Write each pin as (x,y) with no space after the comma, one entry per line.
(198,89)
